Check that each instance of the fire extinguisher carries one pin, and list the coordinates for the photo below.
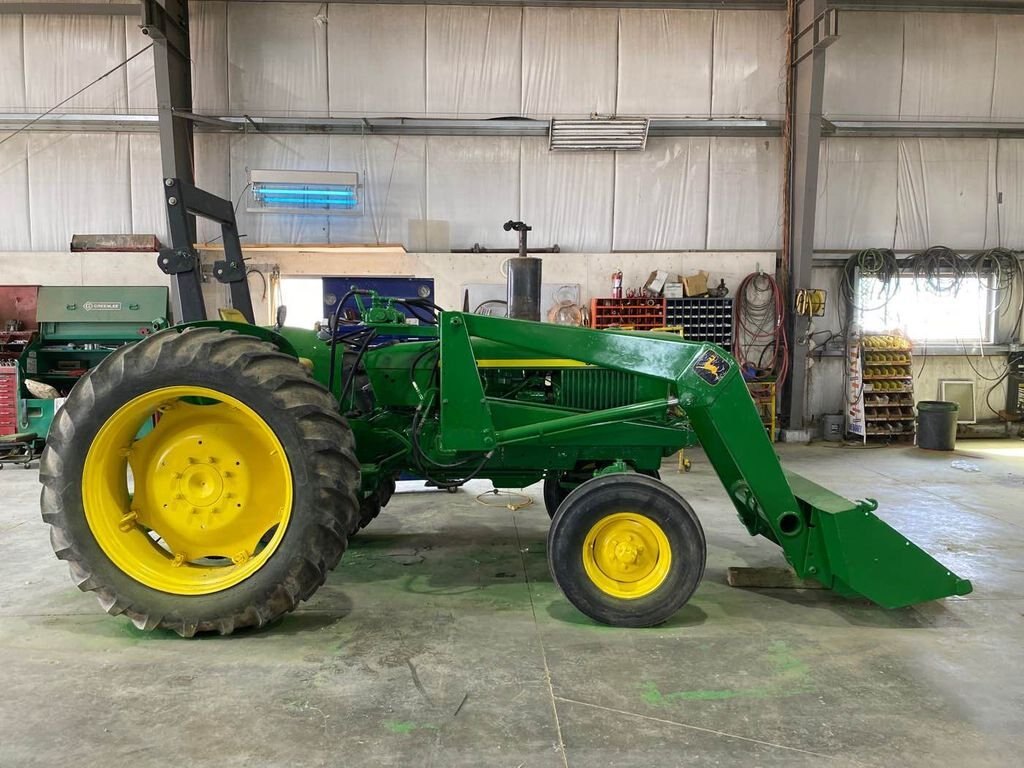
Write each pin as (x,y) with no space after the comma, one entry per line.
(617,284)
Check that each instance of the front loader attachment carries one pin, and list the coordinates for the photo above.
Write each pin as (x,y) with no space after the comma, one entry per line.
(862,555)
(824,536)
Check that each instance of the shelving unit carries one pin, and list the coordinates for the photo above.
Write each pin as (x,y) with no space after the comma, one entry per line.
(14,343)
(763,395)
(702,319)
(8,398)
(881,387)
(640,314)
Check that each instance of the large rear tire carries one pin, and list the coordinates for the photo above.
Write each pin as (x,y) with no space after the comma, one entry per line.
(626,550)
(229,511)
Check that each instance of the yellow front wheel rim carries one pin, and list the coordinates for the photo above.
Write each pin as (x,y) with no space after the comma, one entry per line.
(187,490)
(627,555)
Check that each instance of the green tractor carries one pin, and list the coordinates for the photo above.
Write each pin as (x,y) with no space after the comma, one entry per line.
(207,479)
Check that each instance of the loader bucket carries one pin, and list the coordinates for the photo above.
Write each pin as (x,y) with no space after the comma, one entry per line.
(857,554)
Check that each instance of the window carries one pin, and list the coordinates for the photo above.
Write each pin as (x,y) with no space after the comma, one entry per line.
(940,314)
(304,297)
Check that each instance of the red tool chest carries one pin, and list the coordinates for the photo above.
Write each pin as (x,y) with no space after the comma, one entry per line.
(8,399)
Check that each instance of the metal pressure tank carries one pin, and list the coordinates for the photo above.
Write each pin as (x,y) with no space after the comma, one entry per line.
(524,277)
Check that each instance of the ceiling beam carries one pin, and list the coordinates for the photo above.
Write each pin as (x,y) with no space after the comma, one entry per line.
(932,6)
(379,126)
(923,129)
(740,5)
(925,6)
(73,9)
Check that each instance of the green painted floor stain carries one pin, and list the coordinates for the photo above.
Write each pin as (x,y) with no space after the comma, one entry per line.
(789,676)
(405,727)
(656,698)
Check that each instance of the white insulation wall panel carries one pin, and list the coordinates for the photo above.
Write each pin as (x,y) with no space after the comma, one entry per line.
(12,63)
(1007,97)
(474,61)
(864,69)
(15,229)
(293,152)
(147,191)
(208,28)
(277,59)
(567,197)
(948,65)
(80,184)
(473,185)
(945,193)
(749,64)
(139,73)
(569,65)
(213,173)
(745,194)
(65,53)
(392,171)
(665,62)
(1010,181)
(661,195)
(376,55)
(857,181)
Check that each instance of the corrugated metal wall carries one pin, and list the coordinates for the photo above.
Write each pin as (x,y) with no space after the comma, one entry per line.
(386,60)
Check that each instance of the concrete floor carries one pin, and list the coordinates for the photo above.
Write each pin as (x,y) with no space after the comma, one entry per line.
(441,640)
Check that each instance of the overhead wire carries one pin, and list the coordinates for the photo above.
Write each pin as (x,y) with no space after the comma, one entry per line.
(81,90)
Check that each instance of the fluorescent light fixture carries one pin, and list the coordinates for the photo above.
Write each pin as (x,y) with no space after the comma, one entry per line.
(599,134)
(311,192)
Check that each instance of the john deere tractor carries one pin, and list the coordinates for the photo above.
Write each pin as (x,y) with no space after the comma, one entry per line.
(209,477)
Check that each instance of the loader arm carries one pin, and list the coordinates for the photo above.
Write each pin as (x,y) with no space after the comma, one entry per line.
(838,542)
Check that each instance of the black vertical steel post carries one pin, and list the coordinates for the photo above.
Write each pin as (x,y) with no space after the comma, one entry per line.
(814,28)
(166,23)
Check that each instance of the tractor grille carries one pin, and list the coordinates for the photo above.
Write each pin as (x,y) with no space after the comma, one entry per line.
(593,389)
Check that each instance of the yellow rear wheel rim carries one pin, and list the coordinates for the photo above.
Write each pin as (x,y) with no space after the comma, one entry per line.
(627,555)
(187,490)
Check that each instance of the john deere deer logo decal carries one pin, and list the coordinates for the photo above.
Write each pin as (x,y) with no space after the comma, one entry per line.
(711,367)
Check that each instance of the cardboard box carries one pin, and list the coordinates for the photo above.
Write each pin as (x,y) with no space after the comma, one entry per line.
(674,290)
(696,285)
(656,282)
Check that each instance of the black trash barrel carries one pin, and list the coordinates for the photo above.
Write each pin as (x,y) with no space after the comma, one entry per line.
(936,425)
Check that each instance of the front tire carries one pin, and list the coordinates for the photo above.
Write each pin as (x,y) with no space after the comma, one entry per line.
(558,485)
(372,504)
(229,511)
(626,550)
